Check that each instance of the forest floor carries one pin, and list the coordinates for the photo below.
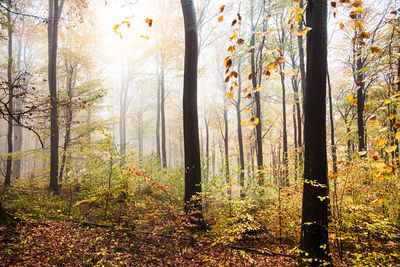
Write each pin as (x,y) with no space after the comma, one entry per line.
(65,243)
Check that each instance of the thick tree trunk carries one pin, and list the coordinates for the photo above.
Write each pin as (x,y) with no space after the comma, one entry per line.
(54,13)
(7,180)
(314,245)
(193,205)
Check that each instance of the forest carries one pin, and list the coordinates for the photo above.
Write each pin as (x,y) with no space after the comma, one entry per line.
(199,133)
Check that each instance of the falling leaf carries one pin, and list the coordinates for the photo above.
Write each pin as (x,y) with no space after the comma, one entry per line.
(149,22)
(357,3)
(358,23)
(221,8)
(254,120)
(231,49)
(304,31)
(248,109)
(145,37)
(234,36)
(127,22)
(376,50)
(227,79)
(234,74)
(349,98)
(341,25)
(221,19)
(354,102)
(243,123)
(234,22)
(359,10)
(240,41)
(250,76)
(228,63)
(115,28)
(333,4)
(258,88)
(229,95)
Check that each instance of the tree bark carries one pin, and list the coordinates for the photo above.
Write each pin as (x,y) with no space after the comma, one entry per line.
(193,205)
(333,144)
(314,243)
(257,102)
(54,13)
(285,181)
(7,180)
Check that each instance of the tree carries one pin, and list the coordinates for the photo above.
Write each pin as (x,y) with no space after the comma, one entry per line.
(55,9)
(193,204)
(314,243)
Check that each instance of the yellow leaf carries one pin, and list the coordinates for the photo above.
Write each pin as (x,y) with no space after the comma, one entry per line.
(379,178)
(397,135)
(381,142)
(354,102)
(221,19)
(298,17)
(271,65)
(247,109)
(229,95)
(234,36)
(396,81)
(390,149)
(349,98)
(254,120)
(387,101)
(359,10)
(381,165)
(304,31)
(145,37)
(259,87)
(357,3)
(243,123)
(358,23)
(341,25)
(128,23)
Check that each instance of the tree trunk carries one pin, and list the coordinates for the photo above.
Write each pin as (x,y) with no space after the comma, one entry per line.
(360,103)
(257,101)
(240,134)
(158,117)
(68,125)
(54,13)
(314,245)
(207,147)
(285,181)
(5,220)
(226,155)
(7,180)
(162,106)
(193,205)
(333,144)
